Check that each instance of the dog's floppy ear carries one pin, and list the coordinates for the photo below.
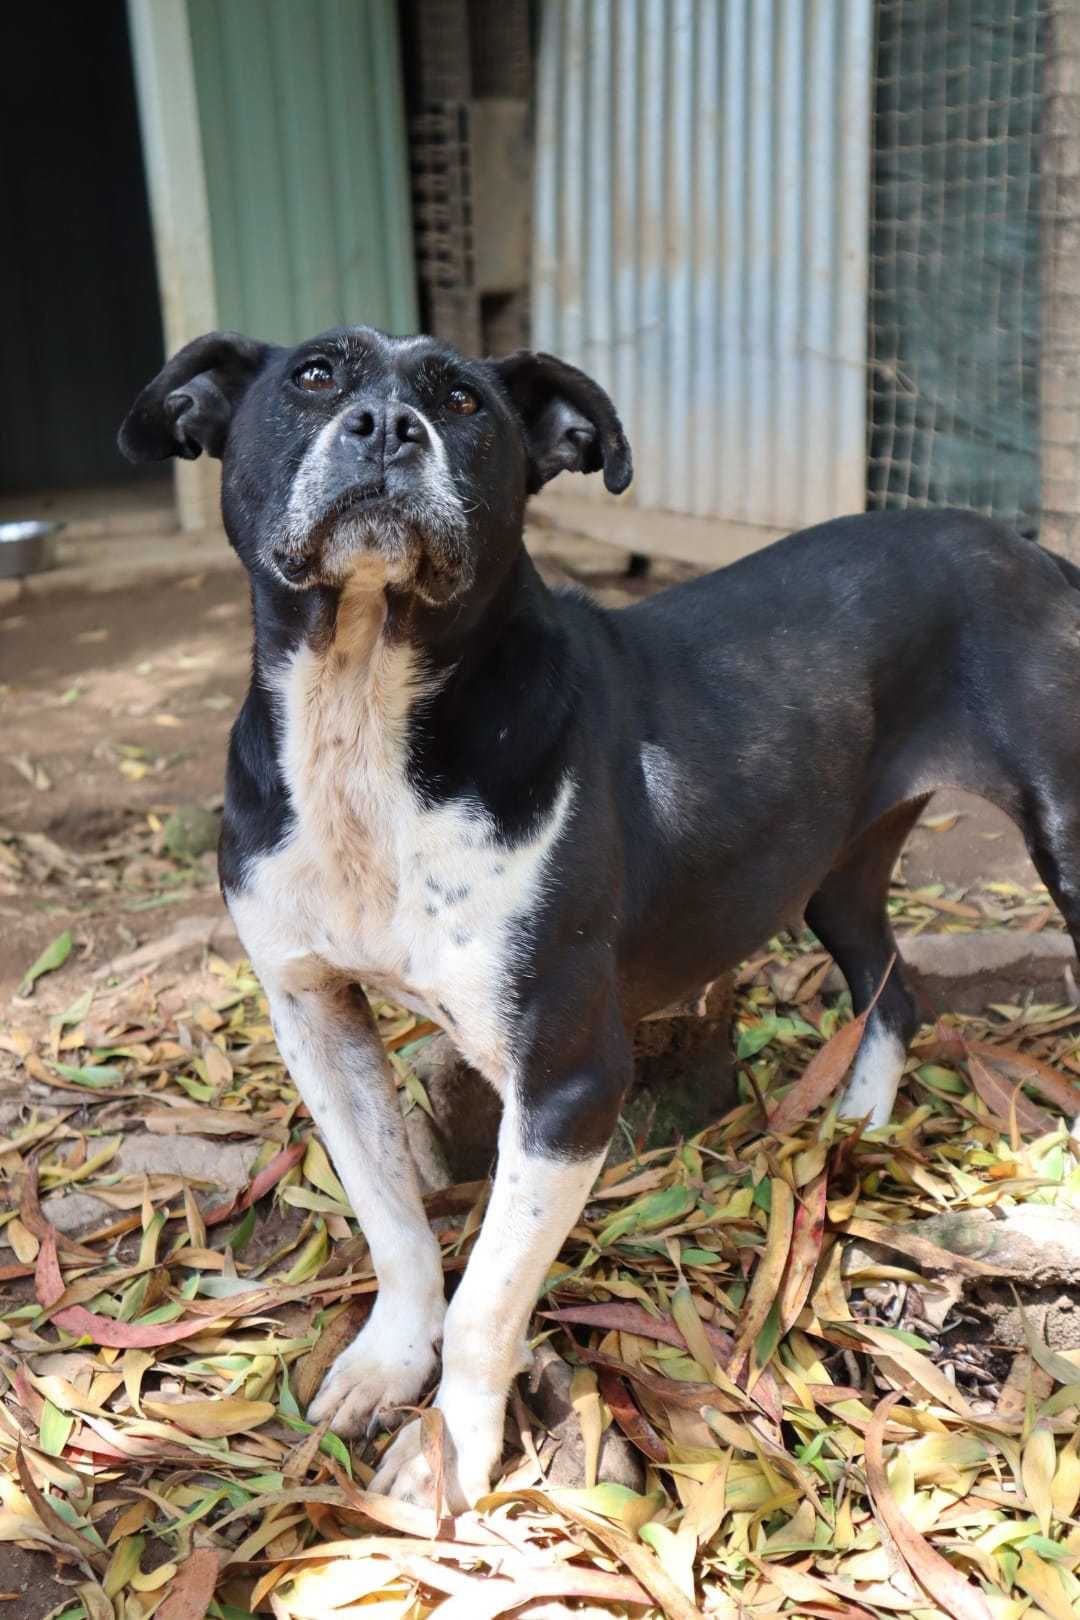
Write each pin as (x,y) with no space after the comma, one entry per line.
(188,406)
(569,422)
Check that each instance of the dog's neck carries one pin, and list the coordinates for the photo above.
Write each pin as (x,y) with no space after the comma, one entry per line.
(286,619)
(478,692)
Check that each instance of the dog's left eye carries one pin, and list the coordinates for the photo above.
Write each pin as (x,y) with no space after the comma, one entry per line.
(316,377)
(462,401)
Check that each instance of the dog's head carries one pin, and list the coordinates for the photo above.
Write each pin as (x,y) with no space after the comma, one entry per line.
(361,451)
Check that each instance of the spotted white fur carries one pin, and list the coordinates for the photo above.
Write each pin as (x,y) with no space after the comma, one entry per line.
(423,901)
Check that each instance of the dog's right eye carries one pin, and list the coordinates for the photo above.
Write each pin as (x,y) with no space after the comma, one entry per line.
(315,378)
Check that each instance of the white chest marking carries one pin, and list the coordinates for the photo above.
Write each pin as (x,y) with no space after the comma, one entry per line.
(423,901)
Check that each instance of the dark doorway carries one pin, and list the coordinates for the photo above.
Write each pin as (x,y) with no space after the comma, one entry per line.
(81,316)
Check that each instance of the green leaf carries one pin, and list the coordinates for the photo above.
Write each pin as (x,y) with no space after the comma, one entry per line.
(54,1429)
(194,1088)
(215,1287)
(654,1210)
(769,1337)
(757,1036)
(90,1074)
(1045,1548)
(123,1565)
(310,1258)
(161,1313)
(242,1232)
(935,1078)
(334,1446)
(52,957)
(288,1405)
(906,1337)
(77,1011)
(612,1501)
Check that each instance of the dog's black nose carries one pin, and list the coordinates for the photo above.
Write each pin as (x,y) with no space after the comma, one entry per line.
(394,428)
(293,567)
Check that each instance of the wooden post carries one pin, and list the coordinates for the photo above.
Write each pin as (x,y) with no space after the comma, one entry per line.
(172,152)
(1060,211)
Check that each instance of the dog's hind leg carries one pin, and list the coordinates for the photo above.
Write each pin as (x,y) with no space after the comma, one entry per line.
(850,917)
(1051,826)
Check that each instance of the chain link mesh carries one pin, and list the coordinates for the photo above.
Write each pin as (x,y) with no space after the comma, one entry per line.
(953,413)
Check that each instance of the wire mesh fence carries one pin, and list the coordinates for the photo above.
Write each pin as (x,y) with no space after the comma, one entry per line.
(956,256)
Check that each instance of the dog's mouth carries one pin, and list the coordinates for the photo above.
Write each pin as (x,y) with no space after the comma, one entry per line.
(300,562)
(349,503)
(366,495)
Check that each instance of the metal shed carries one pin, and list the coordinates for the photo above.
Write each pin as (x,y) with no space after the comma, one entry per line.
(275,147)
(700,247)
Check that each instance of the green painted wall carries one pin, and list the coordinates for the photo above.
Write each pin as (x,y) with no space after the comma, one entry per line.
(304,142)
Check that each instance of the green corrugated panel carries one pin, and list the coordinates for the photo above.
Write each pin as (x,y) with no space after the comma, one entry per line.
(303,128)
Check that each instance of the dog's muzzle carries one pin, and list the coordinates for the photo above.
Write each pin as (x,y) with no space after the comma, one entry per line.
(375,482)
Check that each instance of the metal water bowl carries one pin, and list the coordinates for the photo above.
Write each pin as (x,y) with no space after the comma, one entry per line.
(26,548)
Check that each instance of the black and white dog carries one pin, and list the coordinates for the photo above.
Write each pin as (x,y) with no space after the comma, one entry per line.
(534,820)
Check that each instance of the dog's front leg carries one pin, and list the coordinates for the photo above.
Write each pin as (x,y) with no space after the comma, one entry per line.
(552,1141)
(329,1040)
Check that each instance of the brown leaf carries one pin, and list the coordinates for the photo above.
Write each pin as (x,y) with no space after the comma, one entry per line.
(768,1272)
(204,1121)
(633,1422)
(191,1589)
(212,1418)
(312,1368)
(929,1255)
(103,1330)
(32,1217)
(483,1597)
(1033,1072)
(279,1166)
(84,1551)
(642,1563)
(631,1318)
(1000,1097)
(945,1585)
(823,1074)
(806,1241)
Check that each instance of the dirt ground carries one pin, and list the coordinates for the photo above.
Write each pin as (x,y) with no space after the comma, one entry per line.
(114,706)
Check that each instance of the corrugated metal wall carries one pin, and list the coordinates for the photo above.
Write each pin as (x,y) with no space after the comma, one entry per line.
(700,244)
(303,131)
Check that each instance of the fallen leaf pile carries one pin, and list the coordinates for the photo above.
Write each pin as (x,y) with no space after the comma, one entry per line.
(822,1421)
(139,866)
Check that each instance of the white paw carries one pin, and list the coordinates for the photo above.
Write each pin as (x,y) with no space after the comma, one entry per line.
(472,1449)
(872,1089)
(389,1364)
